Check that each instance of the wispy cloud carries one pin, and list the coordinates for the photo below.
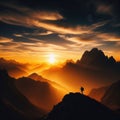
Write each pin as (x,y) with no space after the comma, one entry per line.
(44,33)
(18,35)
(109,36)
(5,39)
(43,19)
(46,15)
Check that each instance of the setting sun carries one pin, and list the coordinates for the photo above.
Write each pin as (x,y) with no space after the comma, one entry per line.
(51,58)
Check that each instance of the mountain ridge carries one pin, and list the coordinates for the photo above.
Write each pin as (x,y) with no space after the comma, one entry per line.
(96,58)
(39,92)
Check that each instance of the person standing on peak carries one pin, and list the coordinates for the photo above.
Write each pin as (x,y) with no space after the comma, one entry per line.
(82,90)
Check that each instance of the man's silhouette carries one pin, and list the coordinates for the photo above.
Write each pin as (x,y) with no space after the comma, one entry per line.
(82,90)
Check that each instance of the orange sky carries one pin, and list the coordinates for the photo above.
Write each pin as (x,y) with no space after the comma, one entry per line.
(60,57)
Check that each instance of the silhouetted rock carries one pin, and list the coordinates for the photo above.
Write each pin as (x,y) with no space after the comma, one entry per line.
(75,106)
(98,93)
(93,57)
(96,58)
(112,96)
(13,105)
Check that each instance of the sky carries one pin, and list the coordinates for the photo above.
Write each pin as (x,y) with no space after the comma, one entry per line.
(34,30)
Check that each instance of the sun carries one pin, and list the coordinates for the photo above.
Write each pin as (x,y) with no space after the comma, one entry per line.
(52,58)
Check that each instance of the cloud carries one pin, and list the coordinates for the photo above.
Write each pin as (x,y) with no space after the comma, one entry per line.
(78,42)
(31,22)
(25,16)
(8,44)
(79,29)
(18,35)
(5,39)
(93,39)
(29,45)
(109,36)
(62,29)
(39,33)
(46,15)
(40,19)
(37,14)
(45,33)
(82,38)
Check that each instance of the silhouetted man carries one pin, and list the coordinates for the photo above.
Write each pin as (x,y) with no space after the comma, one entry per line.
(82,90)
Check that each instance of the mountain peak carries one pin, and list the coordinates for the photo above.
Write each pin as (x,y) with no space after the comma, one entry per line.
(37,77)
(93,55)
(33,74)
(95,58)
(95,50)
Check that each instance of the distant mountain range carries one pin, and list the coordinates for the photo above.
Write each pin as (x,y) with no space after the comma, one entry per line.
(15,69)
(75,106)
(13,105)
(108,95)
(41,92)
(111,98)
(40,78)
(93,70)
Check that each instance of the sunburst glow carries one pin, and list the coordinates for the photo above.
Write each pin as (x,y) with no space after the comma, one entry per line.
(52,58)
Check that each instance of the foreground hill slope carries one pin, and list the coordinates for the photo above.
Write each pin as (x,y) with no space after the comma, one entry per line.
(75,106)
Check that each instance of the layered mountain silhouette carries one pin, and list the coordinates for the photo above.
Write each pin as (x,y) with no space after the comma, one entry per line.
(75,106)
(15,69)
(39,91)
(108,95)
(40,78)
(93,70)
(37,77)
(13,105)
(111,97)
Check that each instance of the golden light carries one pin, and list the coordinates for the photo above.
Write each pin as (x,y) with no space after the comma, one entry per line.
(52,58)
